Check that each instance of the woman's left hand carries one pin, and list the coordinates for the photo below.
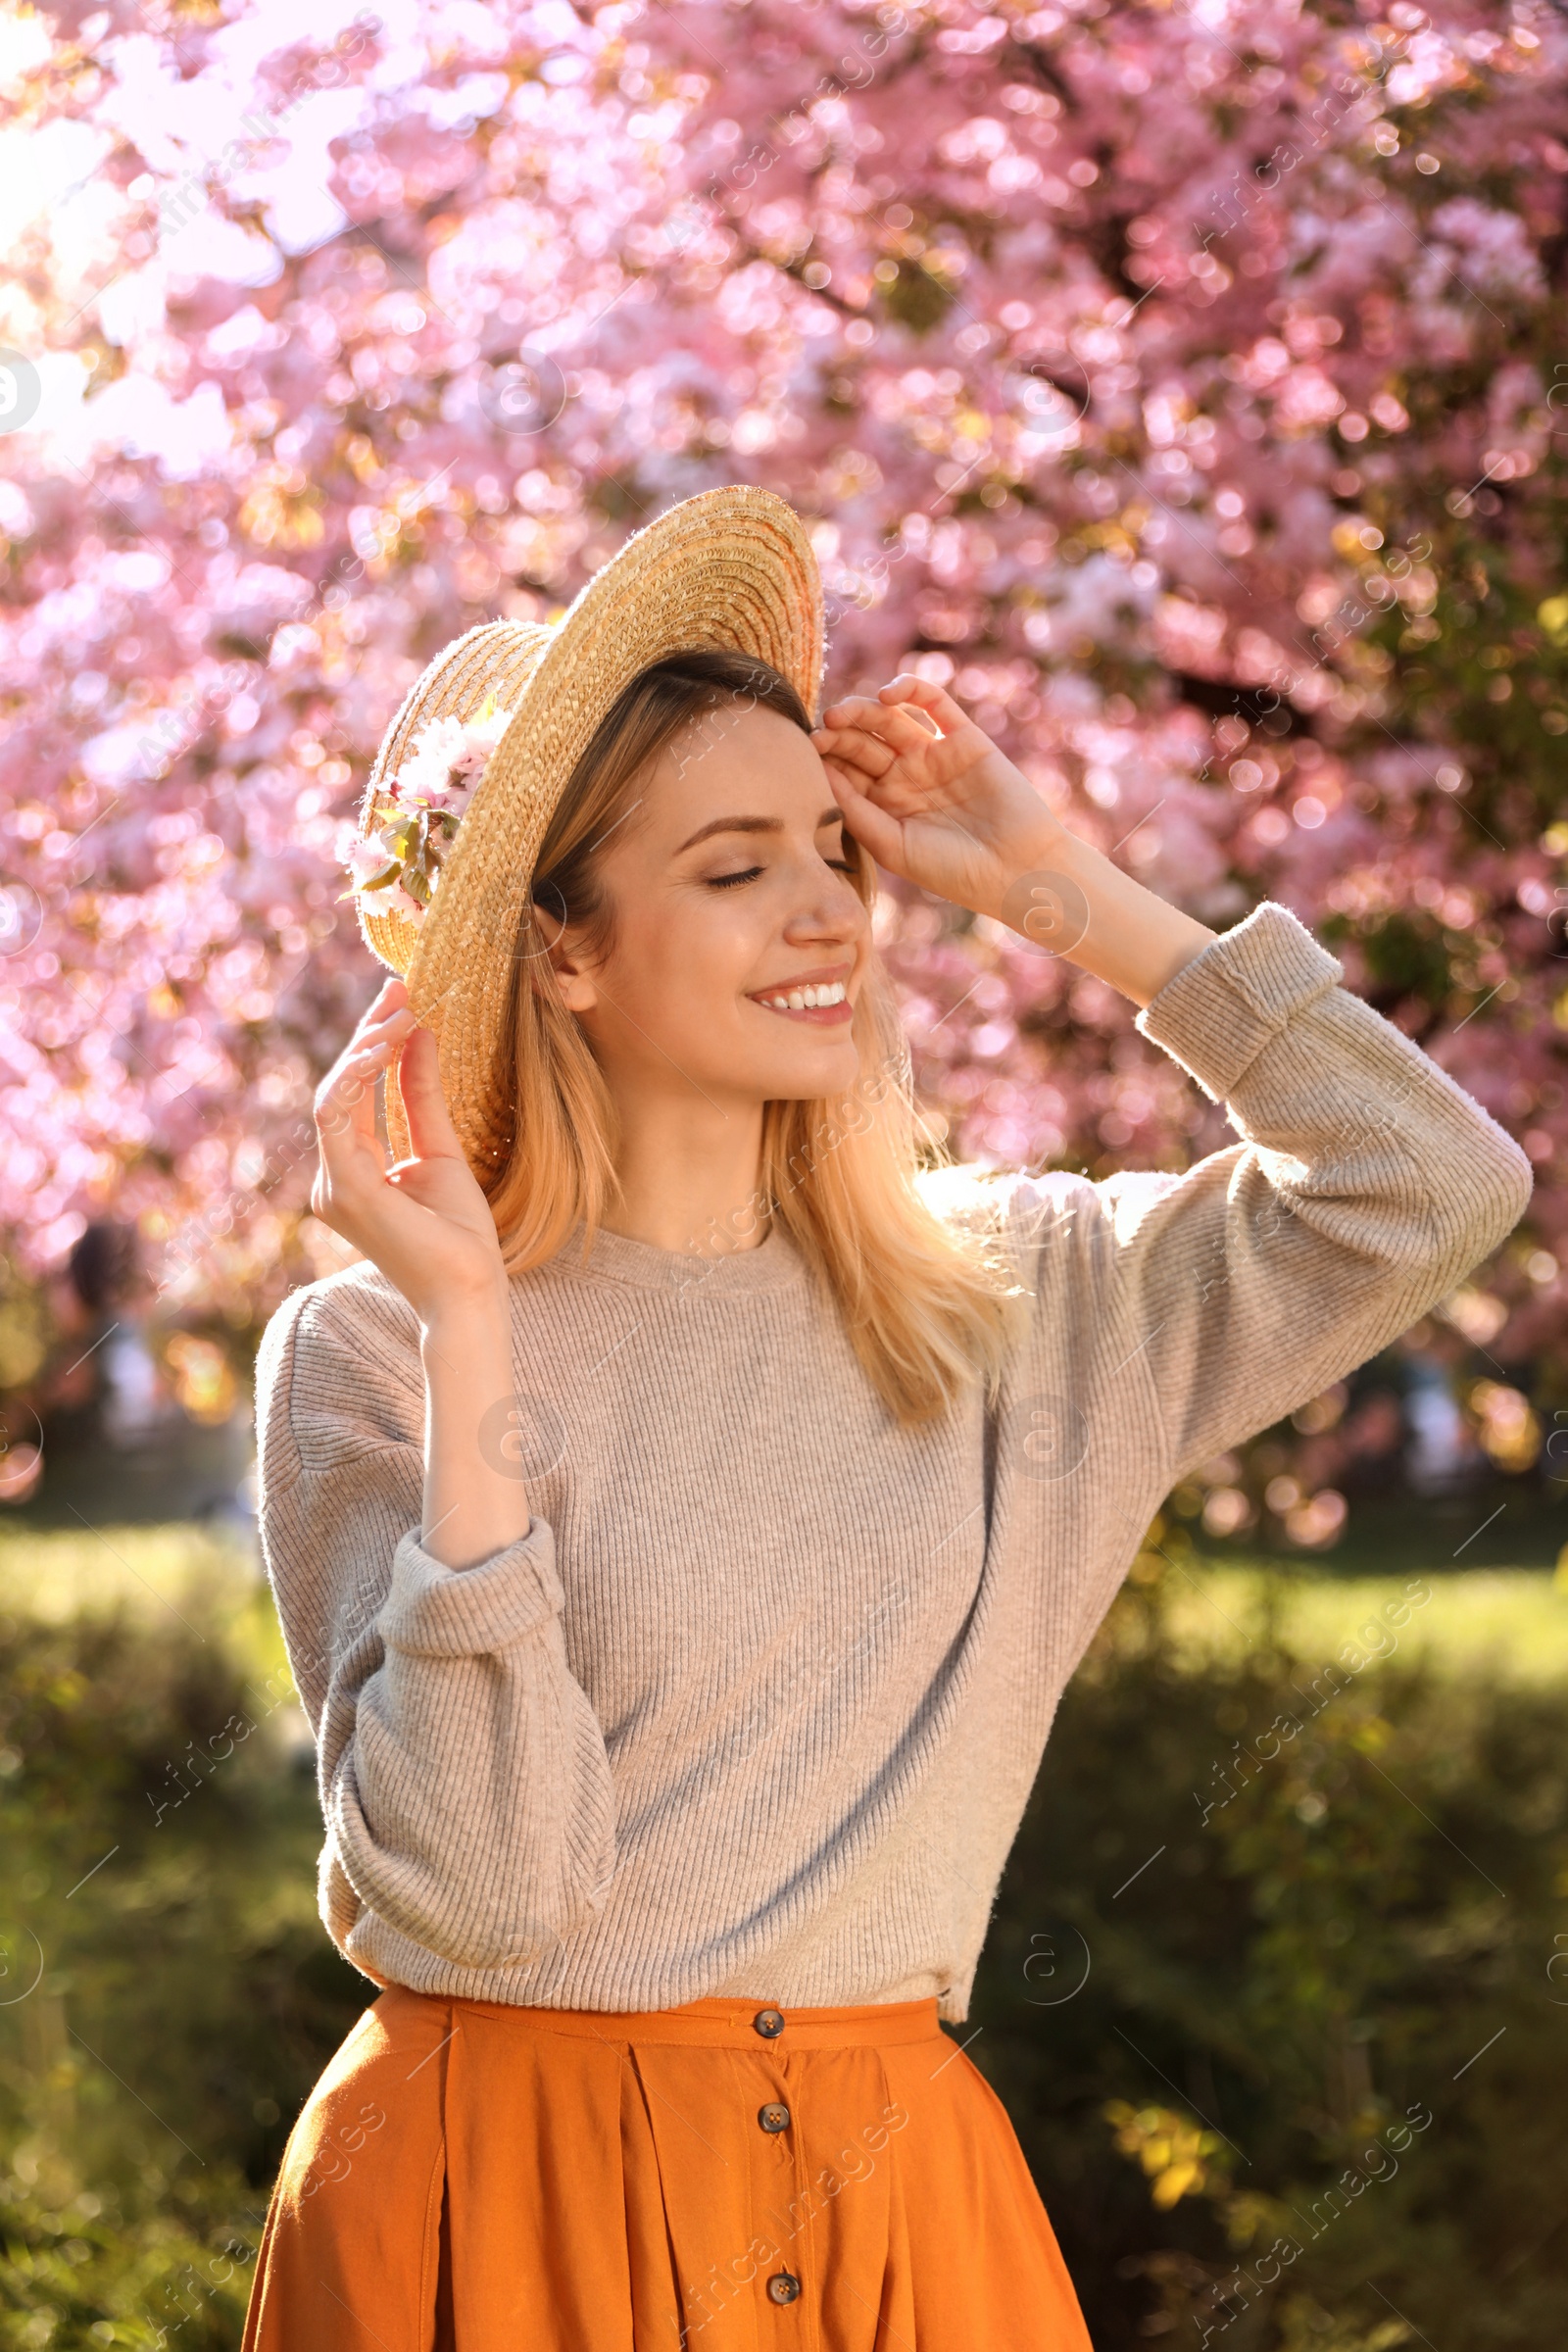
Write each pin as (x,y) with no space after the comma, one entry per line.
(936,802)
(931,797)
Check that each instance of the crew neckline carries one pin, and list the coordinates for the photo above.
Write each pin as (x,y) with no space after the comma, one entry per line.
(616,1257)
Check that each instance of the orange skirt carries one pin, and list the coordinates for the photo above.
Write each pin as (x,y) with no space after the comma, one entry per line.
(468,2177)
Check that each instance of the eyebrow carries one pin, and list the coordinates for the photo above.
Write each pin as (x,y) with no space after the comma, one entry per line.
(753,824)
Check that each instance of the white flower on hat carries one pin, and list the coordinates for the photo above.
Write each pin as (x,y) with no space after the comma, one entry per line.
(390,898)
(395,870)
(448,758)
(484,733)
(369,859)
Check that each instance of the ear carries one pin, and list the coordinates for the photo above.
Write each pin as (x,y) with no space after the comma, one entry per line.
(568,966)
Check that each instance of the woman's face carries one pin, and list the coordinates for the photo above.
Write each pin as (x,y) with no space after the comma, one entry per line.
(729,896)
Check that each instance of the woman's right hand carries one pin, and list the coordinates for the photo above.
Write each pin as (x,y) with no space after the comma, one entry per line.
(426,1222)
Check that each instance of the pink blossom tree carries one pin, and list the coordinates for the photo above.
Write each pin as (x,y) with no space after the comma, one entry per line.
(1186,386)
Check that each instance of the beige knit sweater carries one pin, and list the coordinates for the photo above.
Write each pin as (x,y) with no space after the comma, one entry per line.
(754,1706)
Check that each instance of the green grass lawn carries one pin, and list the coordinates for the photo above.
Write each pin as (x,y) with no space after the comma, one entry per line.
(1505,1622)
(54,1574)
(1499,1624)
(1265,1947)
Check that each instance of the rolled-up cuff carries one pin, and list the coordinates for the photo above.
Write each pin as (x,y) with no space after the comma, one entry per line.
(441,1612)
(1221,1009)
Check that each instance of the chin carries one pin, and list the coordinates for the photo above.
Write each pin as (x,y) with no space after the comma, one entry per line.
(804,1077)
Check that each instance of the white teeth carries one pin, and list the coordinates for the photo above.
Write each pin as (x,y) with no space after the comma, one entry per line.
(806,999)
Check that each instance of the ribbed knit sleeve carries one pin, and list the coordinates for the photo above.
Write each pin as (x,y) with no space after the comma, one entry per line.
(464,1778)
(754,1706)
(1367,1185)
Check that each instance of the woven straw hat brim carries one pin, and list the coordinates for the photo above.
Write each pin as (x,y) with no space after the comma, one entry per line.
(731,568)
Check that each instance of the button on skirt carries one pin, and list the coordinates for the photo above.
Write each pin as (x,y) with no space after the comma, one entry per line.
(724,2177)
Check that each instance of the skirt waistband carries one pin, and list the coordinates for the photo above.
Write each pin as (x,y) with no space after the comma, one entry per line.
(714,2023)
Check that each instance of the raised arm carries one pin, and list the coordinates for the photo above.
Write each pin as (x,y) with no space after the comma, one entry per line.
(464,1778)
(932,799)
(428,1227)
(1367,1183)
(1366,1186)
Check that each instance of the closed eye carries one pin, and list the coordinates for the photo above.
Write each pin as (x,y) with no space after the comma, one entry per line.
(749,873)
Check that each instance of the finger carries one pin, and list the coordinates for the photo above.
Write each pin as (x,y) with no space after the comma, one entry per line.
(391,1031)
(924,695)
(391,993)
(388,997)
(345,1102)
(855,710)
(899,777)
(911,734)
(854,744)
(908,729)
(872,826)
(430,1130)
(367,1037)
(350,1157)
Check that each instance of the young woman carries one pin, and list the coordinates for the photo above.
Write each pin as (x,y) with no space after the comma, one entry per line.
(686,1515)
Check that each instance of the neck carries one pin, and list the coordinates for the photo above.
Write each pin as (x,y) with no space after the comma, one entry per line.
(689,1176)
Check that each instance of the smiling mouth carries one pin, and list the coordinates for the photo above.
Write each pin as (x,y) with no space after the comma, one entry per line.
(825,1004)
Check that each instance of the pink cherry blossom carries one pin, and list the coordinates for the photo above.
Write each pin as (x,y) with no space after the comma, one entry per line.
(1184,388)
(366,859)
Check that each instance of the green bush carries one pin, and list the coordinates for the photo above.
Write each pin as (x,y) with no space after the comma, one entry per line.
(1276,2029)
(169,1996)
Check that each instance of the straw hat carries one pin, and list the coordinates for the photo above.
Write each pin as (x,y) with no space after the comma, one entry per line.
(731,568)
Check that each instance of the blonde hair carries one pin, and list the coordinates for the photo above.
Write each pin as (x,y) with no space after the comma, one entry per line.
(926,1303)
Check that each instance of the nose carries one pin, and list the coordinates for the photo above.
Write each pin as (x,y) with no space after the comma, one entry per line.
(830,912)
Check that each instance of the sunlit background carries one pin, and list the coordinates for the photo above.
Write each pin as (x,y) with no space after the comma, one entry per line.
(1186,387)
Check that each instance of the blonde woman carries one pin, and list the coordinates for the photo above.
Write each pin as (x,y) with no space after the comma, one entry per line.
(685,1516)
